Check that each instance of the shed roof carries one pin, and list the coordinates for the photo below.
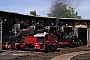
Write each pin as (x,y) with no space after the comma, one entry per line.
(44,17)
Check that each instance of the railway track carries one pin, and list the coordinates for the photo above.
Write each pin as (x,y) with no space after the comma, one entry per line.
(33,55)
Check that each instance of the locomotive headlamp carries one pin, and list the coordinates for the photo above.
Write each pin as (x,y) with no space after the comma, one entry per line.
(5,19)
(22,21)
(61,22)
(38,22)
(73,40)
(52,23)
(66,24)
(60,36)
(80,40)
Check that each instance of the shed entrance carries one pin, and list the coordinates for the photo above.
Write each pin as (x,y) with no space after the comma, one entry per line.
(82,34)
(6,28)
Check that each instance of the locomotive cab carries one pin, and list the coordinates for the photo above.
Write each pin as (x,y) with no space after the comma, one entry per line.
(46,42)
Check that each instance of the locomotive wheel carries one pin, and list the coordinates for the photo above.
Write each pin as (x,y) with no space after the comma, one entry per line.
(55,48)
(18,47)
(3,48)
(12,47)
(52,48)
(78,45)
(47,49)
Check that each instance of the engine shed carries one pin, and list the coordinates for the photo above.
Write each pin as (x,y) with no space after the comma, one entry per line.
(79,27)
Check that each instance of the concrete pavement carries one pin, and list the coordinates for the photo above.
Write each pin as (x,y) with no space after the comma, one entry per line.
(68,56)
(9,55)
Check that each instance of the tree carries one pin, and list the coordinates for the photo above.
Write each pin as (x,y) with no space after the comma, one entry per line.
(34,13)
(62,10)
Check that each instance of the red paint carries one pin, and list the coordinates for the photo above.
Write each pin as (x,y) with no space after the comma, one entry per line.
(51,40)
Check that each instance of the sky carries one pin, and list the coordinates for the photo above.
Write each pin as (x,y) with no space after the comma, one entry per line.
(42,7)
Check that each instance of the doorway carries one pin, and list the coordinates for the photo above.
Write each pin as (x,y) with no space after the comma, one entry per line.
(5,30)
(82,34)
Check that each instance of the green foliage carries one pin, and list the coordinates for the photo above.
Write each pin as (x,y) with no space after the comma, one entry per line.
(62,10)
(34,13)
